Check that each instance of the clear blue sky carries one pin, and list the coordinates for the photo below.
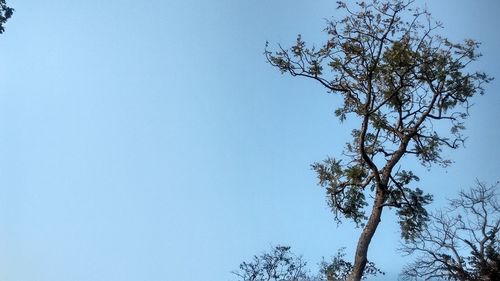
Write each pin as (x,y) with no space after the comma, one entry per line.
(149,140)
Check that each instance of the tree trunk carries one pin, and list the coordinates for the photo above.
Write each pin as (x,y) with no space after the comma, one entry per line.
(366,236)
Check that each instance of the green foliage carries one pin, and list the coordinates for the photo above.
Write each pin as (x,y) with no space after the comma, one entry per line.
(412,214)
(338,269)
(5,14)
(343,188)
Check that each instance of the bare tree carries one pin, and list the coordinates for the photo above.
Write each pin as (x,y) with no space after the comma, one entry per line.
(399,79)
(461,242)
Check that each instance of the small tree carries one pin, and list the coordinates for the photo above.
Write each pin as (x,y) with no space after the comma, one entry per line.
(405,85)
(462,242)
(278,265)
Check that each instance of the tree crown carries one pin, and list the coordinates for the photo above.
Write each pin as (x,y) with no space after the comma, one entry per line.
(404,83)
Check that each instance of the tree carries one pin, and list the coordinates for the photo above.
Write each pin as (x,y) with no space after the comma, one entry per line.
(278,265)
(5,14)
(462,241)
(409,89)
(282,265)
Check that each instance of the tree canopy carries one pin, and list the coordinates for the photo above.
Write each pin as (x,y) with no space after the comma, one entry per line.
(410,90)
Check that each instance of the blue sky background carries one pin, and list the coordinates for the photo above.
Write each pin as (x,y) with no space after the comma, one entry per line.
(149,140)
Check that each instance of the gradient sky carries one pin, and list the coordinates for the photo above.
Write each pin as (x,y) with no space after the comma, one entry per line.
(149,140)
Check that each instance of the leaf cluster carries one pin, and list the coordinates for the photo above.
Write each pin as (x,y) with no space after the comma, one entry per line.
(339,269)
(5,14)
